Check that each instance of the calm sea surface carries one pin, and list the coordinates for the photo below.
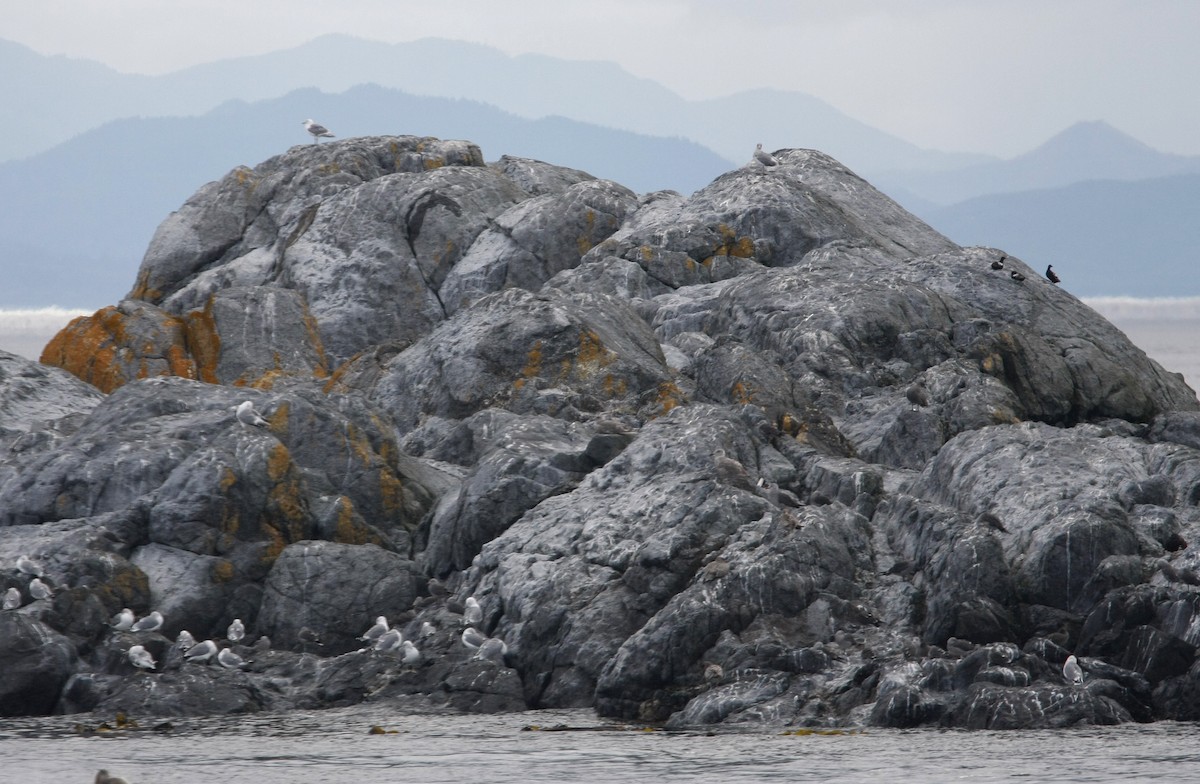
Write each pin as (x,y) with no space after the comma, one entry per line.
(336,746)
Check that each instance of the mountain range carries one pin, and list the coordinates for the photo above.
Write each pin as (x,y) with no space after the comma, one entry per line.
(94,159)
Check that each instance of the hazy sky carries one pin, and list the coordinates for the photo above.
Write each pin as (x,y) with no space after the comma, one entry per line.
(995,76)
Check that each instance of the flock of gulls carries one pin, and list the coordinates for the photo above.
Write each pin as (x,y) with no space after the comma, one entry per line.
(379,637)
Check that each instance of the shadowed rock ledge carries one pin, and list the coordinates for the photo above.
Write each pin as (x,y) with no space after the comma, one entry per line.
(774,453)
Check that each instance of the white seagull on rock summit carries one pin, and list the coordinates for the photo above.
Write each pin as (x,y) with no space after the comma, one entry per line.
(763,157)
(317,130)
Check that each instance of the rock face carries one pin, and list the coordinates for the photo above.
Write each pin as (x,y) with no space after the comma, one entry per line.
(774,453)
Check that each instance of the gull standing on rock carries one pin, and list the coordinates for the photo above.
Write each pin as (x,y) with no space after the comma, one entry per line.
(201,652)
(763,157)
(123,621)
(26,565)
(472,613)
(230,660)
(12,598)
(236,631)
(492,649)
(317,130)
(151,623)
(39,590)
(185,641)
(248,416)
(379,629)
(473,638)
(140,657)
(427,629)
(389,641)
(409,652)
(1072,671)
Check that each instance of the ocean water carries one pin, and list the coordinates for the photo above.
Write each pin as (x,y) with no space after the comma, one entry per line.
(336,746)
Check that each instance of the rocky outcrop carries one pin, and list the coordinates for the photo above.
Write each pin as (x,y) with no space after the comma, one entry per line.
(773,453)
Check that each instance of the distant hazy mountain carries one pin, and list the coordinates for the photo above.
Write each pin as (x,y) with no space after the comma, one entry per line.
(1085,151)
(78,218)
(80,95)
(1139,239)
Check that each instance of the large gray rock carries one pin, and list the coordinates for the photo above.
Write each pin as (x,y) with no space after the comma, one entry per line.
(775,453)
(37,402)
(312,589)
(35,663)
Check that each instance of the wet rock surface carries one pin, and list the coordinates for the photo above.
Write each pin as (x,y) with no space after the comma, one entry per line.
(775,453)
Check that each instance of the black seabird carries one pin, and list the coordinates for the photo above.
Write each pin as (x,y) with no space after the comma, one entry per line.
(1018,277)
(998,264)
(991,521)
(917,395)
(1051,275)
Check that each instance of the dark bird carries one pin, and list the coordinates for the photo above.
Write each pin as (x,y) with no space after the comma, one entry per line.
(991,521)
(998,264)
(1051,275)
(317,130)
(918,395)
(1018,277)
(104,777)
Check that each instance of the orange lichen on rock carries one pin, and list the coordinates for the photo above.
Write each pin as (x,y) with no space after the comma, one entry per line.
(733,245)
(669,396)
(103,349)
(203,342)
(533,365)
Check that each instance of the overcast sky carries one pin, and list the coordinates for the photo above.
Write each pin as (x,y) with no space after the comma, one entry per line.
(993,76)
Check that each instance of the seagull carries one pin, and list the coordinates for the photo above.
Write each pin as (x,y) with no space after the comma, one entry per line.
(39,590)
(998,264)
(473,613)
(730,471)
(1018,277)
(918,395)
(472,638)
(12,598)
(185,641)
(230,660)
(378,630)
(492,649)
(317,130)
(236,631)
(248,416)
(1051,275)
(410,653)
(140,657)
(1072,671)
(389,640)
(201,652)
(427,629)
(151,623)
(123,620)
(26,565)
(764,157)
